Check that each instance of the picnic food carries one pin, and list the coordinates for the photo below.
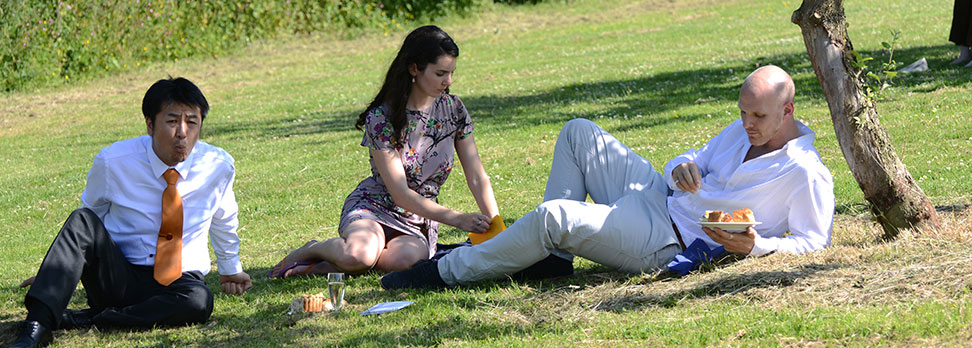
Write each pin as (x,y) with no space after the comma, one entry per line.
(311,304)
(741,215)
(717,216)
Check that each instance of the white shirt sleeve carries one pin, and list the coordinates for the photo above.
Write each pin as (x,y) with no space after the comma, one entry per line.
(223,234)
(701,157)
(810,219)
(95,195)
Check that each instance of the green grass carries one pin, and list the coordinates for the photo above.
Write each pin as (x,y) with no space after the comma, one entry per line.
(662,76)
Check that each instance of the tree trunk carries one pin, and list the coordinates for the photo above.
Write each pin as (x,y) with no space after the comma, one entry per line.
(896,200)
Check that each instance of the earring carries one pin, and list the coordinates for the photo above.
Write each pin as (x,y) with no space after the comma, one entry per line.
(413,79)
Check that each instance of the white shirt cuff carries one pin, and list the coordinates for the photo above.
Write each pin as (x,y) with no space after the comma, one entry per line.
(229,267)
(763,246)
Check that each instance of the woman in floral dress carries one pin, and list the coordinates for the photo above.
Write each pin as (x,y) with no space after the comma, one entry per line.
(411,129)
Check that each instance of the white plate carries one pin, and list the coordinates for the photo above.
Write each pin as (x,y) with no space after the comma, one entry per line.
(729,226)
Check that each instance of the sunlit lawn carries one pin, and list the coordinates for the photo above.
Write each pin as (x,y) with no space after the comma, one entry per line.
(661,75)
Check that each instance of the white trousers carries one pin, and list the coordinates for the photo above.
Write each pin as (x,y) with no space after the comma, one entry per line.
(628,225)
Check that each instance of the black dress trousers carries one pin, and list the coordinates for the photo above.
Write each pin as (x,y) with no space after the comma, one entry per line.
(126,295)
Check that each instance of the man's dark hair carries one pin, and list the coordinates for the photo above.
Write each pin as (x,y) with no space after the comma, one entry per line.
(177,90)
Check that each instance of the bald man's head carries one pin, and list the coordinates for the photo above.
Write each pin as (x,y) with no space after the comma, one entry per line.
(769,82)
(766,108)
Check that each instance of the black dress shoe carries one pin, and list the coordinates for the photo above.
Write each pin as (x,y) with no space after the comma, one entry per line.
(552,266)
(32,334)
(423,275)
(81,319)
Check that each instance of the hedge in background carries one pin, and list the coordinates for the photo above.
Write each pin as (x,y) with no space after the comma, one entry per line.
(53,42)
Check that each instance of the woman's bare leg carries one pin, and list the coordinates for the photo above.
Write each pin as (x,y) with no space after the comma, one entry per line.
(401,253)
(356,253)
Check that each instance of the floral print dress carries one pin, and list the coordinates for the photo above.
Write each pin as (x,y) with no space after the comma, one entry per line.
(427,154)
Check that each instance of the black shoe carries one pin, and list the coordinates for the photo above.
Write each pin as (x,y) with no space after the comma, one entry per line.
(552,266)
(32,334)
(81,319)
(423,275)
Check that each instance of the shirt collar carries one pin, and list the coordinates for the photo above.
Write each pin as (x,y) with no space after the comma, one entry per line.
(804,142)
(159,167)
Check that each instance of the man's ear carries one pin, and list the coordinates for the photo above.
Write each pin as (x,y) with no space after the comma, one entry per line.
(788,109)
(148,126)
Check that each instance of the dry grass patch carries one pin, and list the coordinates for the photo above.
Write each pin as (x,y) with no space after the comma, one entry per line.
(858,269)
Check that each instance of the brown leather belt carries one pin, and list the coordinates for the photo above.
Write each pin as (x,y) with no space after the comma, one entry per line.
(678,235)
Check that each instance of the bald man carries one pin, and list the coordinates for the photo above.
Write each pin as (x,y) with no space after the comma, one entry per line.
(640,220)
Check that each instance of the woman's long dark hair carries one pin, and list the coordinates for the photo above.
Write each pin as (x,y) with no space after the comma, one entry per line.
(422,47)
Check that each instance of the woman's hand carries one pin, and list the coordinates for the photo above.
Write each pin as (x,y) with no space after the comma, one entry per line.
(475,223)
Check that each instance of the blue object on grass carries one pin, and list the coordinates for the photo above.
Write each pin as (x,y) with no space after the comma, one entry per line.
(386,307)
(694,256)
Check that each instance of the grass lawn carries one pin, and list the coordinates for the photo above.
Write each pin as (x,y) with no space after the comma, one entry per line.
(663,76)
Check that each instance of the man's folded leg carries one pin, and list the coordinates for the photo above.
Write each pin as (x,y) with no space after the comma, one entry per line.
(527,241)
(80,249)
(522,244)
(632,235)
(120,294)
(560,222)
(186,301)
(635,235)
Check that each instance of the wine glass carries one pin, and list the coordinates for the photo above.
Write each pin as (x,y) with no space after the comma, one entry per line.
(335,288)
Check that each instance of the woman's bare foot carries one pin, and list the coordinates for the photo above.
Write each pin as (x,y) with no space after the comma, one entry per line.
(319,268)
(286,265)
(964,56)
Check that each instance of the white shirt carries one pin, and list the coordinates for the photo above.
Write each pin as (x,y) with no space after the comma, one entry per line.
(125,187)
(788,190)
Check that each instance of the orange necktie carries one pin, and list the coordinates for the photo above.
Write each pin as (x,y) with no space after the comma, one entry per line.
(168,250)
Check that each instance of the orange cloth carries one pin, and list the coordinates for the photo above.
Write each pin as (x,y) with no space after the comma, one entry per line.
(168,250)
(496,226)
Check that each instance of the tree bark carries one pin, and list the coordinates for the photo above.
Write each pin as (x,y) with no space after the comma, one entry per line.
(896,200)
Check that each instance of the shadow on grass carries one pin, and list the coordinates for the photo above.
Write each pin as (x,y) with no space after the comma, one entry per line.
(940,71)
(268,325)
(11,318)
(727,284)
(9,324)
(437,332)
(859,208)
(646,102)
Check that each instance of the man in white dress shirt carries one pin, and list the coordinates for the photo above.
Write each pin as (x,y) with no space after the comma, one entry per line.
(110,243)
(641,220)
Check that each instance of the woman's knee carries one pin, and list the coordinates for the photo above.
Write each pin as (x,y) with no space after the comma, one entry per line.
(360,254)
(402,253)
(363,243)
(399,264)
(401,260)
(357,260)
